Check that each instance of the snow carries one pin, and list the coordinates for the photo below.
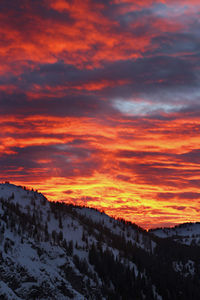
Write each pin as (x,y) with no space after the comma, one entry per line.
(41,262)
(186,269)
(188,233)
(7,292)
(117,228)
(94,215)
(158,297)
(25,198)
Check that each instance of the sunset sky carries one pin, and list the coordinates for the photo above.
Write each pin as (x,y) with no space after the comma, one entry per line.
(100,104)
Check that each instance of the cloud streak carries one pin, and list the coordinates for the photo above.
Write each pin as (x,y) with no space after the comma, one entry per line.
(100,104)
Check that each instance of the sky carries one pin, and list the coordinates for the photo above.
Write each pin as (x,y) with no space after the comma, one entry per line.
(99,104)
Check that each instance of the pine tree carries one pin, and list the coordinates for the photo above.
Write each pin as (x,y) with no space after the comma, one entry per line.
(60,222)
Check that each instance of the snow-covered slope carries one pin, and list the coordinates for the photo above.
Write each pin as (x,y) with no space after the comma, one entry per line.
(50,250)
(45,247)
(187,233)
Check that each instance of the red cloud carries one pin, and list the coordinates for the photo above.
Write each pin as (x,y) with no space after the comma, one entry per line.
(79,155)
(63,64)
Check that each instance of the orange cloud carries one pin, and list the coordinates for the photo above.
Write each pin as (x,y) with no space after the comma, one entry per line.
(130,173)
(42,41)
(63,65)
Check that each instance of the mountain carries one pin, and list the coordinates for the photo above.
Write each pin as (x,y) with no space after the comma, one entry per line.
(52,250)
(187,233)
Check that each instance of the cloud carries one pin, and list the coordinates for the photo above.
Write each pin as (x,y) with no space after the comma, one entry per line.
(181,196)
(100,104)
(177,207)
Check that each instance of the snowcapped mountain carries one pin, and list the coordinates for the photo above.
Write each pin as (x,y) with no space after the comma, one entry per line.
(187,233)
(50,250)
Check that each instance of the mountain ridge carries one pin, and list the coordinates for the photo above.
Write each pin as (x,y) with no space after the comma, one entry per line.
(51,250)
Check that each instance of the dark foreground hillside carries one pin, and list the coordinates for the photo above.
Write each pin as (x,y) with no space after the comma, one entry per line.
(57,251)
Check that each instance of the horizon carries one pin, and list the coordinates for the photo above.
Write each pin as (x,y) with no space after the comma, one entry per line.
(26,188)
(100,105)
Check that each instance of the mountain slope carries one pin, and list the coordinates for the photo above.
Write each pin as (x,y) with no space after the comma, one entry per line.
(187,233)
(52,250)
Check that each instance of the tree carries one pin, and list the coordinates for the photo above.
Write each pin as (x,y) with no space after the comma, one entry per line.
(70,248)
(60,222)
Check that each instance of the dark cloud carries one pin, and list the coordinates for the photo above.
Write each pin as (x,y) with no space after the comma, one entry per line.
(155,78)
(160,174)
(192,156)
(140,154)
(177,207)
(68,192)
(69,105)
(59,160)
(181,196)
(123,177)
